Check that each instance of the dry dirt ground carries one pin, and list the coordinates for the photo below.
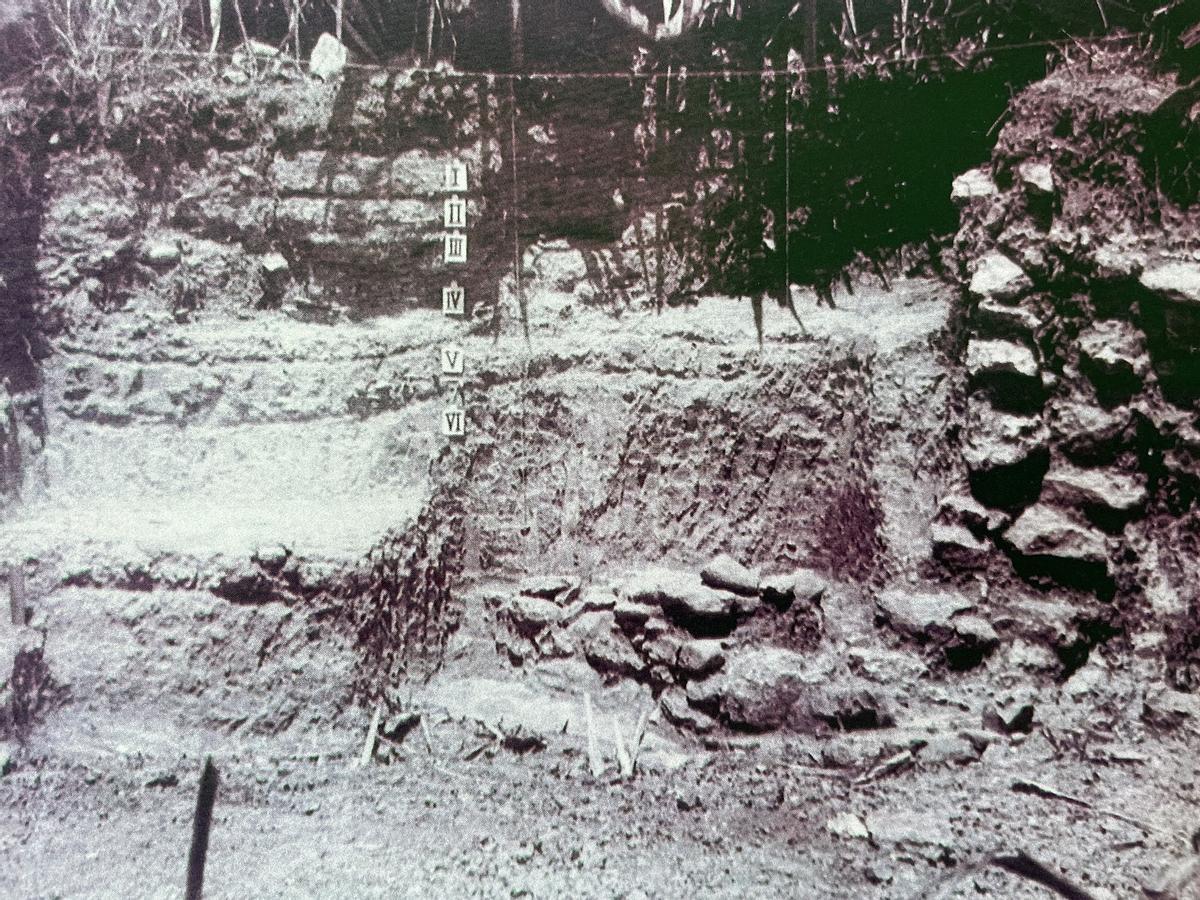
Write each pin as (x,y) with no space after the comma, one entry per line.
(491,796)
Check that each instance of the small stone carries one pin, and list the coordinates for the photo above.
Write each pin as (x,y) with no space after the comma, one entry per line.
(681,595)
(271,558)
(532,614)
(1044,531)
(328,59)
(1115,350)
(989,359)
(679,712)
(918,612)
(726,573)
(948,749)
(699,658)
(976,630)
(632,616)
(762,688)
(274,264)
(1001,320)
(973,185)
(996,439)
(1108,488)
(1177,282)
(161,253)
(954,545)
(613,655)
(910,827)
(803,585)
(998,278)
(548,587)
(966,511)
(662,650)
(1165,708)
(848,825)
(1036,177)
(688,799)
(1010,716)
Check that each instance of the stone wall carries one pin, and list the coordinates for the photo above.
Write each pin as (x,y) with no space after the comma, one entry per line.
(1081,435)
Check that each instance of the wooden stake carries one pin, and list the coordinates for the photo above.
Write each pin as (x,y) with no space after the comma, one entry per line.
(638,735)
(595,760)
(624,762)
(425,733)
(368,750)
(201,824)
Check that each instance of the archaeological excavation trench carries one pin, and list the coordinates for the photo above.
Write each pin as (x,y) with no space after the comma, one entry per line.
(885,589)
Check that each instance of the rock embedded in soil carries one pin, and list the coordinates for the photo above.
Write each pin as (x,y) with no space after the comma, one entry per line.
(998,278)
(1010,715)
(949,749)
(767,687)
(1088,431)
(328,58)
(1176,282)
(532,614)
(848,704)
(993,319)
(700,658)
(662,650)
(964,510)
(848,825)
(997,439)
(1169,709)
(1115,350)
(919,612)
(611,654)
(976,630)
(679,712)
(803,586)
(987,359)
(682,596)
(547,587)
(1036,177)
(161,253)
(976,184)
(726,573)
(1109,488)
(1044,531)
(632,616)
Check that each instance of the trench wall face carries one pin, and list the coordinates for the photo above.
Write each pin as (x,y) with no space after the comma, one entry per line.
(612,436)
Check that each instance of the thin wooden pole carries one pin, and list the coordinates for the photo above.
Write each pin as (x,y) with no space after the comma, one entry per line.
(16,595)
(810,32)
(516,34)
